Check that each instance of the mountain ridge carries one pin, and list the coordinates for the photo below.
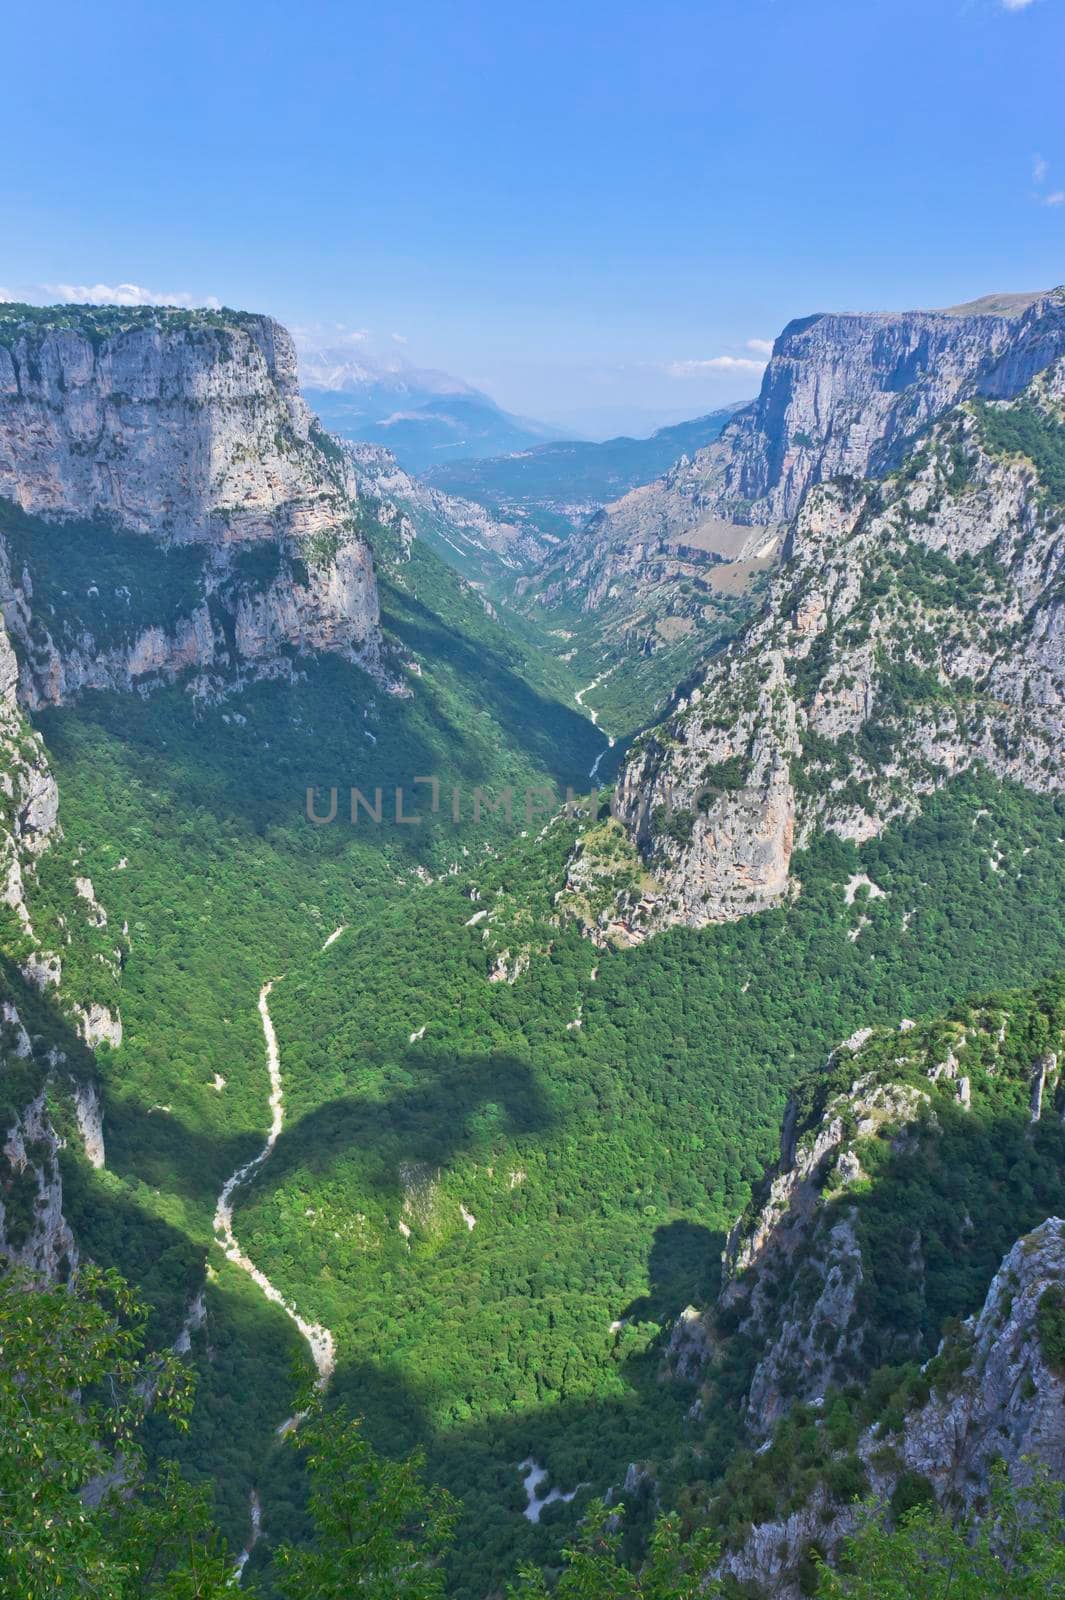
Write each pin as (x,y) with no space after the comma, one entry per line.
(420,414)
(574,477)
(844,394)
(914,629)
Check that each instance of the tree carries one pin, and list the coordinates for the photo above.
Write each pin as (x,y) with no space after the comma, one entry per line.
(380,1530)
(78,1514)
(1012,1553)
(674,1570)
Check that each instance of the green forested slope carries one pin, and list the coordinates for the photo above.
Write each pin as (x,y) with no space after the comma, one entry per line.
(190,820)
(601,1163)
(635,1137)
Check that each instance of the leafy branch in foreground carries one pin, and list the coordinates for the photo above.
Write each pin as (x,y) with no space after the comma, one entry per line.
(1014,1551)
(380,1529)
(594,1570)
(81,1518)
(77,1515)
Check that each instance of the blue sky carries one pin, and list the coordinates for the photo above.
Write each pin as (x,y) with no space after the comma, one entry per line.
(578,206)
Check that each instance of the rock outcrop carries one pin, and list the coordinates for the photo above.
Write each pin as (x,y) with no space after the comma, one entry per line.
(844,395)
(995,1397)
(182,425)
(89,1113)
(186,429)
(803,1271)
(915,630)
(847,395)
(892,1317)
(34,1234)
(480,544)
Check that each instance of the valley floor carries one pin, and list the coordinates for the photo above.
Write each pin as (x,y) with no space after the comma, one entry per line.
(496,1216)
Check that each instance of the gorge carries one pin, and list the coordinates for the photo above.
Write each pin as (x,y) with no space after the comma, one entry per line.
(506,1190)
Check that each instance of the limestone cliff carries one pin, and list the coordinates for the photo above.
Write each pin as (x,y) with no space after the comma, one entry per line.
(178,424)
(482,545)
(806,1278)
(843,395)
(184,430)
(995,1396)
(847,395)
(880,1332)
(48,1027)
(34,1233)
(915,628)
(48,1024)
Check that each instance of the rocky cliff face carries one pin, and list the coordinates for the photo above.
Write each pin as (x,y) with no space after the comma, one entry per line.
(186,429)
(181,425)
(883,1323)
(843,395)
(653,583)
(995,1396)
(847,395)
(34,1233)
(803,1273)
(29,825)
(484,547)
(35,1068)
(914,630)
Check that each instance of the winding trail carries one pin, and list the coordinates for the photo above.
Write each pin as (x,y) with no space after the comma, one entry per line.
(534,1475)
(579,698)
(255,1511)
(319,1339)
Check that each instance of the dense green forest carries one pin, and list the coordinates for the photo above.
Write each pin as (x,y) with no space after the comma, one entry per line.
(509,1158)
(76,1383)
(601,1163)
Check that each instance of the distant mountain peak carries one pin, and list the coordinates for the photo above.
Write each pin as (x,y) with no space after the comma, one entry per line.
(349,368)
(421,413)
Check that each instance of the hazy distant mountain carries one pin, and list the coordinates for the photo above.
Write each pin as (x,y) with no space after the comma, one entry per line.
(423,416)
(575,475)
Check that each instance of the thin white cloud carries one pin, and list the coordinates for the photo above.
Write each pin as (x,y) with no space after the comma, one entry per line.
(1015,5)
(1040,173)
(699,369)
(125,294)
(763,346)
(400,338)
(316,336)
